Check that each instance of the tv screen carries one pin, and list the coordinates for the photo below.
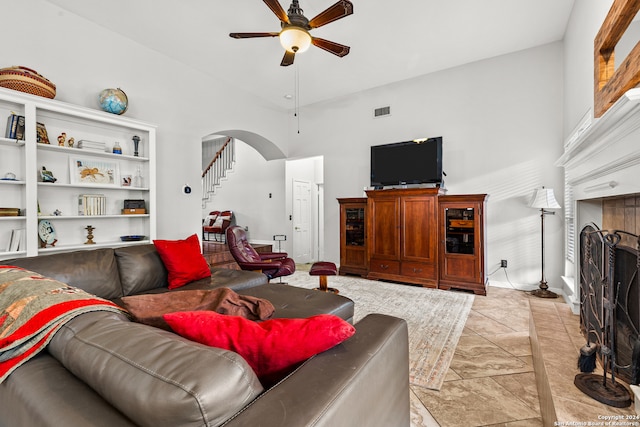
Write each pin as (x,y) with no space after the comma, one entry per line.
(409,162)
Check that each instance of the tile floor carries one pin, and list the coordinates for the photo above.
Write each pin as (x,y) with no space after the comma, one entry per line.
(491,381)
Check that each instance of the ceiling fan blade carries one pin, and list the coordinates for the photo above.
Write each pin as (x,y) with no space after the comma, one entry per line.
(333,13)
(288,58)
(332,47)
(276,8)
(251,35)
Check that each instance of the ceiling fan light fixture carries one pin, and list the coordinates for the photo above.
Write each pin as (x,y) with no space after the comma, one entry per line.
(295,39)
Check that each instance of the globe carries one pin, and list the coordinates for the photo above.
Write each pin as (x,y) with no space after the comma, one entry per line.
(113,101)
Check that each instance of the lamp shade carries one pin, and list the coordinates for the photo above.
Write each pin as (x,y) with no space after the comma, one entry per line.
(543,198)
(295,39)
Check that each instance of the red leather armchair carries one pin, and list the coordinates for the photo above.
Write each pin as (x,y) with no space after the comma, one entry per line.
(272,264)
(216,223)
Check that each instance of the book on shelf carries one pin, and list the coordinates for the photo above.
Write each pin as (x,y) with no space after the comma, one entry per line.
(92,204)
(91,145)
(15,127)
(9,211)
(17,240)
(12,124)
(20,128)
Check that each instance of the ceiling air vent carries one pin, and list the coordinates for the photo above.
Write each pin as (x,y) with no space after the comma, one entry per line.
(381,112)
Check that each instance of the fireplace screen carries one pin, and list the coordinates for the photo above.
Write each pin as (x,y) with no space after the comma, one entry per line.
(604,262)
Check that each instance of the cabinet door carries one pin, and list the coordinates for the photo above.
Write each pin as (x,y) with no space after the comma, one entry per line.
(462,251)
(353,249)
(384,228)
(419,229)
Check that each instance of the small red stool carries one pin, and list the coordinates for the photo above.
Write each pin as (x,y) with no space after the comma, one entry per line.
(324,269)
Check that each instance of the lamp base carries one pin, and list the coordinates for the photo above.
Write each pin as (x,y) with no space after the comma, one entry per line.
(543,290)
(544,293)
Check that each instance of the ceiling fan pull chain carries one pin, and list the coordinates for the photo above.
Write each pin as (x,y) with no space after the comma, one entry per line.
(297,101)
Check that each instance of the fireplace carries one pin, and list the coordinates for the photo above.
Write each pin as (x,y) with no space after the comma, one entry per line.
(601,162)
(609,272)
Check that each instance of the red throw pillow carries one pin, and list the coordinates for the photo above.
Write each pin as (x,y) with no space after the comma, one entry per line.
(272,348)
(183,260)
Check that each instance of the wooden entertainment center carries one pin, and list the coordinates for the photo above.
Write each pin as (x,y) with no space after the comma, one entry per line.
(415,235)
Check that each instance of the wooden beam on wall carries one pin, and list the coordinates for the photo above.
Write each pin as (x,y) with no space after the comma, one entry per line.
(610,83)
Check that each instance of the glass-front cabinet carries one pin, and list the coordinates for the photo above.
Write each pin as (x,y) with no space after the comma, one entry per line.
(353,239)
(354,227)
(462,230)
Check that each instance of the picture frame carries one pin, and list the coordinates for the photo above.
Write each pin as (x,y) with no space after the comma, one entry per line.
(41,131)
(93,172)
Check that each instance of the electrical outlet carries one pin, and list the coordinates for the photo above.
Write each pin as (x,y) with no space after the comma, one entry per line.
(503,263)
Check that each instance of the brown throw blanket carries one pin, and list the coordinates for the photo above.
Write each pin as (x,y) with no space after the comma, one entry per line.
(149,308)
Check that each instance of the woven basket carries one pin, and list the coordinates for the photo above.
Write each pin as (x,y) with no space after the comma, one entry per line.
(26,80)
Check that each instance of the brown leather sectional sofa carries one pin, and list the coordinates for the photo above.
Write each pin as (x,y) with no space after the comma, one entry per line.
(101,369)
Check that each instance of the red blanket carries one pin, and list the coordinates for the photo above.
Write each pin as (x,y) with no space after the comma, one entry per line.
(32,309)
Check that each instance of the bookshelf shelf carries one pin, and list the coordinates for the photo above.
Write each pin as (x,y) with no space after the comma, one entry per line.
(39,200)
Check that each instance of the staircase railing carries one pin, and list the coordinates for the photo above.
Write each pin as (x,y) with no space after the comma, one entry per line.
(221,162)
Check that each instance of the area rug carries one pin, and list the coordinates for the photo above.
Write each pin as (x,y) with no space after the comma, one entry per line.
(435,318)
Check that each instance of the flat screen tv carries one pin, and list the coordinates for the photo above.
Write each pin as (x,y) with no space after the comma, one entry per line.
(409,162)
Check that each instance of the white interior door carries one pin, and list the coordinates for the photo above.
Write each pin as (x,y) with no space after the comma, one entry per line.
(302,221)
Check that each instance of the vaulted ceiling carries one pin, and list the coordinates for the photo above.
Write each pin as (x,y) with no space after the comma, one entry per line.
(390,41)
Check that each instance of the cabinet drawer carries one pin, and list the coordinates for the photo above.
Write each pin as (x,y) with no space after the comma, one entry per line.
(384,266)
(418,269)
(461,223)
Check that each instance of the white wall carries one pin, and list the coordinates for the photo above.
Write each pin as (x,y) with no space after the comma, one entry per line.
(82,59)
(255,191)
(501,120)
(586,18)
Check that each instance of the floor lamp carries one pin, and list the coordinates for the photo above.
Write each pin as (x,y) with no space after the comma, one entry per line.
(544,199)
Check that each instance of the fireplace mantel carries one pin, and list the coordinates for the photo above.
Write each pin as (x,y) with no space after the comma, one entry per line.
(601,158)
(589,139)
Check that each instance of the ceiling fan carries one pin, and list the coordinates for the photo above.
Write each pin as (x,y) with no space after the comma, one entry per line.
(295,36)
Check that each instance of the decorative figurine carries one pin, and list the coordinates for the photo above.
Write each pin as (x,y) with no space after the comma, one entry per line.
(71,142)
(47,176)
(89,241)
(57,212)
(61,139)
(136,141)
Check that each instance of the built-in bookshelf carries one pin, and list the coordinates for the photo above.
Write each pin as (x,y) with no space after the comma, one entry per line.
(55,194)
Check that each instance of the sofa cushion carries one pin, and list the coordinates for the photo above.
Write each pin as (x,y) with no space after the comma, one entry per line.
(272,348)
(141,269)
(36,394)
(294,302)
(183,260)
(94,271)
(153,376)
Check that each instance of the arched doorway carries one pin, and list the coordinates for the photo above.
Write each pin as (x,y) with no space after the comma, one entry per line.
(260,189)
